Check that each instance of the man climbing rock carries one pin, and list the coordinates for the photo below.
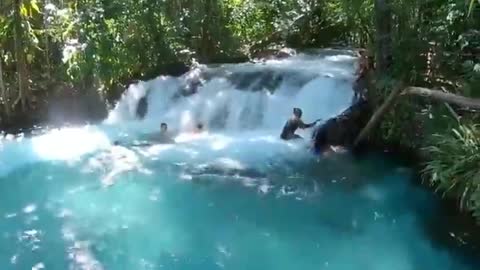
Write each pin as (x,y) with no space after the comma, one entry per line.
(360,84)
(295,122)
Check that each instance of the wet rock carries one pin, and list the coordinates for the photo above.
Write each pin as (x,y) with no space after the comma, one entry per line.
(268,79)
(193,80)
(273,54)
(344,128)
(142,107)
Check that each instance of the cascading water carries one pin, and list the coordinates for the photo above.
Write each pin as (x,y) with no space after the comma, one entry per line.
(233,197)
(245,96)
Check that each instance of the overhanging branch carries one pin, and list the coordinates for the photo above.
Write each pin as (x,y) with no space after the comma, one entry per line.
(471,103)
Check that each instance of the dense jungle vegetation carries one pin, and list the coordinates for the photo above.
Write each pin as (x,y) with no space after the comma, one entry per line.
(70,48)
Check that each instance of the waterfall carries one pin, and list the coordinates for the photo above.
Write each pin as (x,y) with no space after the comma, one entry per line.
(233,101)
(239,97)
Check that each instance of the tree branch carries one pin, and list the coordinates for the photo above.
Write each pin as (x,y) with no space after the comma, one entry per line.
(471,103)
(377,116)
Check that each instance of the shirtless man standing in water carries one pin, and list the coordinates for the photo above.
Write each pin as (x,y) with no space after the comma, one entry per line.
(295,122)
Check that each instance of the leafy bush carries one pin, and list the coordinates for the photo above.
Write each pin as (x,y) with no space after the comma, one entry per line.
(454,166)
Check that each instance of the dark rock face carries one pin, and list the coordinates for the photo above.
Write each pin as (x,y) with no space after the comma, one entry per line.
(273,54)
(344,128)
(268,79)
(249,80)
(142,108)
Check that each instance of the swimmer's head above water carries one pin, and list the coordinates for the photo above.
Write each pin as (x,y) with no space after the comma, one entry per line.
(163,127)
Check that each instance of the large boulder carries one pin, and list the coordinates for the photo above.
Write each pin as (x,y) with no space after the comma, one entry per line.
(343,129)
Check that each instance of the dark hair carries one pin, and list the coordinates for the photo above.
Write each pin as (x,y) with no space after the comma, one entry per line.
(200,126)
(297,111)
(163,124)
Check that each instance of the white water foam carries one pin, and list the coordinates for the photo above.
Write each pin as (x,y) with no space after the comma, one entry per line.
(242,121)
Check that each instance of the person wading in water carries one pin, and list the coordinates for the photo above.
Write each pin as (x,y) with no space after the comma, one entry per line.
(295,122)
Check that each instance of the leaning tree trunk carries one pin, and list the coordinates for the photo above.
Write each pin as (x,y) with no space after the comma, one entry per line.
(383,23)
(46,26)
(377,116)
(20,55)
(461,101)
(206,44)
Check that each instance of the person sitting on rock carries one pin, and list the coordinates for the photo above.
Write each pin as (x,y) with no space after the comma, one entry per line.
(295,122)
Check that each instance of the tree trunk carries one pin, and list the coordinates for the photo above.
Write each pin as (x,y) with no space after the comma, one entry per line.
(20,57)
(377,116)
(3,90)
(205,43)
(448,98)
(46,26)
(469,103)
(383,22)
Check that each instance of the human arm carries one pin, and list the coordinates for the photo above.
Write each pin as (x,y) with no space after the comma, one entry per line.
(302,125)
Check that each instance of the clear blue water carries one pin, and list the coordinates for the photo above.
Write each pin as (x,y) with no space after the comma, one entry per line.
(234,198)
(335,213)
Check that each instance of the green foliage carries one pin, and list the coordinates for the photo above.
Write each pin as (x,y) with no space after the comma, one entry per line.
(435,44)
(398,127)
(109,42)
(454,165)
